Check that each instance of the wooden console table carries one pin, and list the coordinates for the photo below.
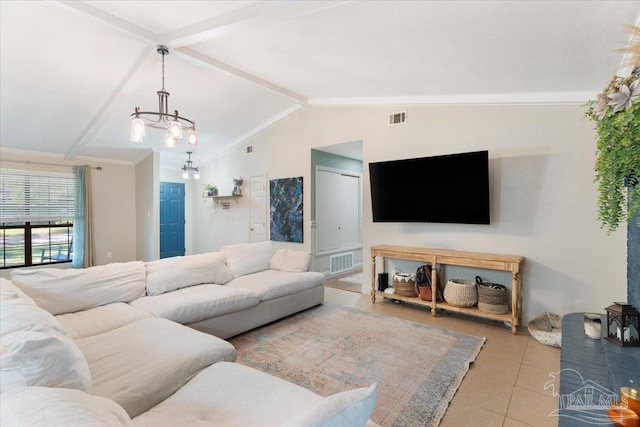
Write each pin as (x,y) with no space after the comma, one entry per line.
(442,257)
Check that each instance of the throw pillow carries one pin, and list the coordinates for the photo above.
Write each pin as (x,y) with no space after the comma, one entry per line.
(49,407)
(349,408)
(247,258)
(288,260)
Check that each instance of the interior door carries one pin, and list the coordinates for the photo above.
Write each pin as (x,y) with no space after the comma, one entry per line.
(350,210)
(258,207)
(338,210)
(171,219)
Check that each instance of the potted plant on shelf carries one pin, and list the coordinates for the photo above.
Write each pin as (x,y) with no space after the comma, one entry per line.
(616,113)
(211,190)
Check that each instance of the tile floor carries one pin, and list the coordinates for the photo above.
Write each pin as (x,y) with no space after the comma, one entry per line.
(504,386)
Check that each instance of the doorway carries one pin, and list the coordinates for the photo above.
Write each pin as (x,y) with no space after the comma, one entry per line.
(172,221)
(336,208)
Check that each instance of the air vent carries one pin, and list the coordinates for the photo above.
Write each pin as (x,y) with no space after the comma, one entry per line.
(398,118)
(340,262)
(248,149)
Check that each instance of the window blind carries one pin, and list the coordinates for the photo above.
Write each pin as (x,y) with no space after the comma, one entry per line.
(36,196)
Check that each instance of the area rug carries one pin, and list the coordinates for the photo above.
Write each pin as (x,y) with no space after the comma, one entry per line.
(331,348)
(352,283)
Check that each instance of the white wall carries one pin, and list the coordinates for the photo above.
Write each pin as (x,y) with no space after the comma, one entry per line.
(543,195)
(213,225)
(147,185)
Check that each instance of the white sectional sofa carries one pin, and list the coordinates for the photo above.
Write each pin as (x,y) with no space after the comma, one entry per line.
(142,343)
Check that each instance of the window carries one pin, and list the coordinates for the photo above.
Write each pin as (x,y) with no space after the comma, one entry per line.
(36,217)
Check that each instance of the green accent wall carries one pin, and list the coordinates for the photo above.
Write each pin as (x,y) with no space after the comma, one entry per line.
(321,158)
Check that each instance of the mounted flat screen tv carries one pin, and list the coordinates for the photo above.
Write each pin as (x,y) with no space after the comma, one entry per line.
(451,188)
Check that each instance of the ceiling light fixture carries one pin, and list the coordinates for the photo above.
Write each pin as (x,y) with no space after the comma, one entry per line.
(162,119)
(189,169)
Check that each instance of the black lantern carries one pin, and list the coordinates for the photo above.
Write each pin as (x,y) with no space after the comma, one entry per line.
(623,324)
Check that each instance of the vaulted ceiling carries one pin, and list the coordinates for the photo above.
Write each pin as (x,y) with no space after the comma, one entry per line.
(71,72)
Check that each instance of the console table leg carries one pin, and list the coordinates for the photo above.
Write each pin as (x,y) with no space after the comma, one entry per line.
(373,280)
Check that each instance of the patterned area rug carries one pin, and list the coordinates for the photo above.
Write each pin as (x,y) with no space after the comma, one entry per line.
(331,348)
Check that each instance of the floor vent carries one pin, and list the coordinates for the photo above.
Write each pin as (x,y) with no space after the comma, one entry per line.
(340,262)
(398,118)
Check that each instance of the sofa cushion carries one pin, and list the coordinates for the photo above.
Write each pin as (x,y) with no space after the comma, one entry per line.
(42,359)
(101,319)
(65,291)
(34,349)
(230,394)
(51,407)
(18,312)
(349,408)
(270,284)
(288,260)
(9,290)
(169,274)
(197,303)
(247,258)
(142,363)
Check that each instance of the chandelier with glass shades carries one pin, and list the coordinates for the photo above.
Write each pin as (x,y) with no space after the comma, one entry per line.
(162,119)
(189,170)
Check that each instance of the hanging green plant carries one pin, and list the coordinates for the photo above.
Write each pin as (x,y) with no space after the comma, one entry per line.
(616,113)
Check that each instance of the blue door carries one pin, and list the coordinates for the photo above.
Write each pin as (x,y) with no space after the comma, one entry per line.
(171,219)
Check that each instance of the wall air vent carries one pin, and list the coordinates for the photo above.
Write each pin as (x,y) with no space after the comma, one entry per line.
(340,262)
(398,118)
(248,149)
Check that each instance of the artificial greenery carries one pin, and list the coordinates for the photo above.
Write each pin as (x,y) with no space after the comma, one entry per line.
(616,113)
(210,188)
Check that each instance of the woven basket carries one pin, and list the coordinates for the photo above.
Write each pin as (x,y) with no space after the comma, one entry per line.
(405,285)
(461,293)
(494,301)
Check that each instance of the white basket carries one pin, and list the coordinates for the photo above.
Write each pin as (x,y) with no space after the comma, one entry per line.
(461,293)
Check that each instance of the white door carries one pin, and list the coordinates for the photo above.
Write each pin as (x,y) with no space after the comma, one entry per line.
(327,210)
(349,210)
(337,209)
(258,208)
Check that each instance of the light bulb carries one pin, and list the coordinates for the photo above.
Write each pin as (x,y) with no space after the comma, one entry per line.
(175,129)
(196,175)
(137,130)
(192,138)
(185,175)
(169,142)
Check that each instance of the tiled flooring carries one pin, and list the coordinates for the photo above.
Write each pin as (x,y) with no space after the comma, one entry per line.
(504,386)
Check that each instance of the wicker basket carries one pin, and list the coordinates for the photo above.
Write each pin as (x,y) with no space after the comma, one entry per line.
(461,293)
(405,284)
(494,301)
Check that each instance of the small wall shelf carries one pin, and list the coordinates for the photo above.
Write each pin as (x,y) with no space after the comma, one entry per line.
(222,198)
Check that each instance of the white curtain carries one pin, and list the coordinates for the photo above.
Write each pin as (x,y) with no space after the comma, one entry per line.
(84,254)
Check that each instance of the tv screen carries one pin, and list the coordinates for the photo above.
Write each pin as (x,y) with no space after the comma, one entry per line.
(451,188)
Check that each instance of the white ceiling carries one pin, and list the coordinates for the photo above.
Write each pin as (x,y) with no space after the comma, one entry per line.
(71,72)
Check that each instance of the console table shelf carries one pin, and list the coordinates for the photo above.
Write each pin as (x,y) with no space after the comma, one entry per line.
(441,257)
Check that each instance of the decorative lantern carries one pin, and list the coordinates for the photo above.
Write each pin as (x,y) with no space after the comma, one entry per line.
(623,324)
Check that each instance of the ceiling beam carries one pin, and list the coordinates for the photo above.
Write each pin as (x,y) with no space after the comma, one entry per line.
(246,18)
(205,61)
(107,108)
(105,18)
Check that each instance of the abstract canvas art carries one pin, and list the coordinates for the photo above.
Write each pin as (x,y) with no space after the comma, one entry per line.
(286,217)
